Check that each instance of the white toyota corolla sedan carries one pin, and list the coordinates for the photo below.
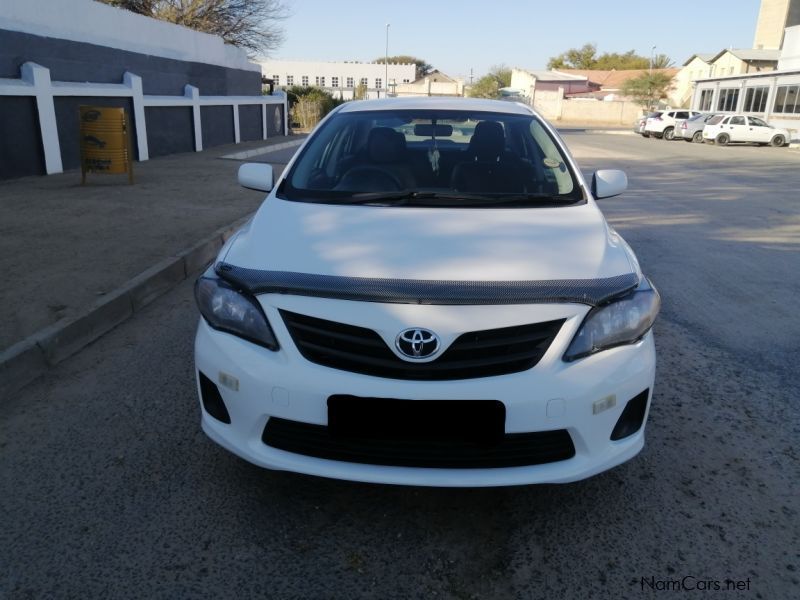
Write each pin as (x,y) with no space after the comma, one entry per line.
(429,295)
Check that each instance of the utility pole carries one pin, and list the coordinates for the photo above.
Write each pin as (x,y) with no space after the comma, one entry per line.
(386,62)
(652,58)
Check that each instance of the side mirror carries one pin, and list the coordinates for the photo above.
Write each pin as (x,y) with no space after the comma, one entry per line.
(256,176)
(608,182)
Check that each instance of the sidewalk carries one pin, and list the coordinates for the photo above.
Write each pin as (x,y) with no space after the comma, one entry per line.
(68,251)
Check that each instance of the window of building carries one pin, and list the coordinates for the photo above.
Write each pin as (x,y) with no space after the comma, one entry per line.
(350,82)
(304,80)
(378,83)
(786,100)
(334,81)
(363,81)
(316,80)
(728,98)
(406,81)
(706,96)
(755,99)
(276,79)
(290,80)
(322,81)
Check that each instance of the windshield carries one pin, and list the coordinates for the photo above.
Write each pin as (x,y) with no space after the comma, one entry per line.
(432,158)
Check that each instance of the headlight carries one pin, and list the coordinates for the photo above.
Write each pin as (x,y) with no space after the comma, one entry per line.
(226,309)
(622,321)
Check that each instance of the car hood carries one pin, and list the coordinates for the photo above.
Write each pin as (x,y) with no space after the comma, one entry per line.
(502,244)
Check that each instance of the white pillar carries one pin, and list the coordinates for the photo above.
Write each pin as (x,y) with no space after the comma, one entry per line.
(39,77)
(193,93)
(236,136)
(286,114)
(263,120)
(134,82)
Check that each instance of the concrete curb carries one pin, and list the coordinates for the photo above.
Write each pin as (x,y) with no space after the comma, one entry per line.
(30,358)
(263,150)
(612,131)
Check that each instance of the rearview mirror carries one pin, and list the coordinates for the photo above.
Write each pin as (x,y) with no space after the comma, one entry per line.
(608,182)
(256,176)
(431,130)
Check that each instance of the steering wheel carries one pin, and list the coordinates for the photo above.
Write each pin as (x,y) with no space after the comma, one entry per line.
(369,178)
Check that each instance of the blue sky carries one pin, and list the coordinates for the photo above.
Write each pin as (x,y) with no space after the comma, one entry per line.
(456,35)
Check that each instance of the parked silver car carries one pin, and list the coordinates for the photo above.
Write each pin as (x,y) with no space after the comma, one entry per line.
(639,124)
(691,129)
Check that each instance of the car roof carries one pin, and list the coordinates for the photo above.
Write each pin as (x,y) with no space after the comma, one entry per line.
(429,103)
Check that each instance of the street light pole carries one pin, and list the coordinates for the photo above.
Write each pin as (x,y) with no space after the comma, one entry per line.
(386,61)
(652,54)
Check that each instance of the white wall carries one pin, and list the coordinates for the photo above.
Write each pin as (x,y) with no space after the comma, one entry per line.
(96,23)
(790,54)
(313,69)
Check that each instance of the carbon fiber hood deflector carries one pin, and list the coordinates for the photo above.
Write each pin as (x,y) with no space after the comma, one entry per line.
(413,291)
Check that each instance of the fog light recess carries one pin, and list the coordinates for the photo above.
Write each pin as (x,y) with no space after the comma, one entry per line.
(632,417)
(212,399)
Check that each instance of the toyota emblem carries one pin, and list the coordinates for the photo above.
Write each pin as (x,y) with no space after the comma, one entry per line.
(417,343)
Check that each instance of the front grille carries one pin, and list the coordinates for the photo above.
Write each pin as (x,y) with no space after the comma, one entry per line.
(512,450)
(471,355)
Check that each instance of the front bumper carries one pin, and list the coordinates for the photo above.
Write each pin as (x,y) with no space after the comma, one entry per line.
(553,395)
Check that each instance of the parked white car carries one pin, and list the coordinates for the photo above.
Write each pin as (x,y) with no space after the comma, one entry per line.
(663,125)
(430,295)
(724,129)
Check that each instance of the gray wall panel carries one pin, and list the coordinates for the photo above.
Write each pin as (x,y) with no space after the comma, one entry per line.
(78,61)
(217,122)
(274,120)
(170,129)
(249,122)
(20,143)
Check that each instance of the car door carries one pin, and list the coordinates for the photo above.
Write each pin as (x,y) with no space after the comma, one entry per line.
(759,130)
(737,129)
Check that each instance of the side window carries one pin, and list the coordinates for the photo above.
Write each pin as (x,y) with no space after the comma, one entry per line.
(737,120)
(725,120)
(755,121)
(682,115)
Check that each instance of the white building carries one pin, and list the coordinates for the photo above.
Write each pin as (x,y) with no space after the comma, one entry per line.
(339,78)
(771,95)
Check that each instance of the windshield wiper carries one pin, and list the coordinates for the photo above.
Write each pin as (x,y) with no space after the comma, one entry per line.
(447,198)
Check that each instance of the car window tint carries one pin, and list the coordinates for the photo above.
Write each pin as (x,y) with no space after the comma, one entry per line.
(737,121)
(757,122)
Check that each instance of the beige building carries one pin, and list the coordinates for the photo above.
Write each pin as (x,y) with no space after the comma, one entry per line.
(773,17)
(434,83)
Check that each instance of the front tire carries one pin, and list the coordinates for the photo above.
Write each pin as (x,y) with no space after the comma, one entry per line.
(669,133)
(778,141)
(723,139)
(697,138)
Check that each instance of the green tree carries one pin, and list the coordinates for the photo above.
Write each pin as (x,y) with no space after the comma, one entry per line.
(488,86)
(249,24)
(647,89)
(586,57)
(662,61)
(620,62)
(423,67)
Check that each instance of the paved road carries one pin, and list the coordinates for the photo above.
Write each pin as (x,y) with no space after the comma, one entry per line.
(111,490)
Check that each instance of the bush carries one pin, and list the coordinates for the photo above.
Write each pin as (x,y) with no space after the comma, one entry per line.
(309,104)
